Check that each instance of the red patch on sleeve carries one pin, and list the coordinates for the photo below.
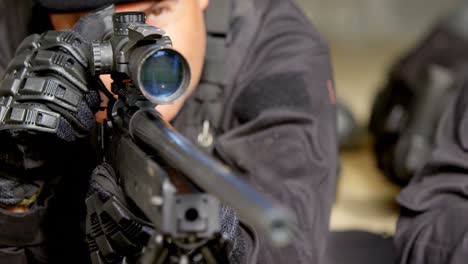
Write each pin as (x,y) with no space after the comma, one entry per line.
(331,92)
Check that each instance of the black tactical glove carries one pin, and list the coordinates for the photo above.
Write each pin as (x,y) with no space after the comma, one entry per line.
(116,235)
(47,102)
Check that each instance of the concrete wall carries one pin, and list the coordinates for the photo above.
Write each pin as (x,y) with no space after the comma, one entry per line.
(361,21)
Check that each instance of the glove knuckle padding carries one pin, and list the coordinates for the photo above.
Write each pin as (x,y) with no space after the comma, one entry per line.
(46,87)
(112,230)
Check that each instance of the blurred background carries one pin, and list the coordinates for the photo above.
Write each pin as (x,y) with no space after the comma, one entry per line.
(366,38)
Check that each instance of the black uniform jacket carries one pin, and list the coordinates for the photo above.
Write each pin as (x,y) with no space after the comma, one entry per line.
(278,129)
(433,226)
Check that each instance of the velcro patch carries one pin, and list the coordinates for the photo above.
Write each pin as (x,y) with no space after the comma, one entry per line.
(283,91)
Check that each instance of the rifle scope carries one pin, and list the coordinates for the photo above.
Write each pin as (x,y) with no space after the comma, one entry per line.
(140,52)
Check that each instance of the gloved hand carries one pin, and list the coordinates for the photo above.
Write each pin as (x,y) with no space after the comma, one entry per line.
(116,235)
(47,101)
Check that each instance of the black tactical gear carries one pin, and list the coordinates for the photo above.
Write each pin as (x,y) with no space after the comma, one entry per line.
(47,88)
(285,148)
(112,231)
(46,97)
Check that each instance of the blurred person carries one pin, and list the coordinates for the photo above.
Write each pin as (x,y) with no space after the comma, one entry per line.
(419,86)
(432,226)
(276,126)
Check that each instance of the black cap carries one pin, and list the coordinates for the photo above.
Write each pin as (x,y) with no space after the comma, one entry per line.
(77,5)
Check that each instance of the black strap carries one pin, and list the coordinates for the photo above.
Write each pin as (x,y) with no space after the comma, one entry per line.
(217,17)
(217,20)
(208,97)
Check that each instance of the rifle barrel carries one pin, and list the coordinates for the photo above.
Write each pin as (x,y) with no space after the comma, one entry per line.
(148,128)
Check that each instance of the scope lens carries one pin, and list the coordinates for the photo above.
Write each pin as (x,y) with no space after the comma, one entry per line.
(162,74)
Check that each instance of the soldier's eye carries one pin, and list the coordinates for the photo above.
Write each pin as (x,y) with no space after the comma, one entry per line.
(156,11)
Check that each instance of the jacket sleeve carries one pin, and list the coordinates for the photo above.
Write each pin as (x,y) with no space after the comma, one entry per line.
(433,224)
(284,139)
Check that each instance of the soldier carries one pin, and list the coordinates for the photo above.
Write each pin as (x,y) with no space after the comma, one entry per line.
(270,112)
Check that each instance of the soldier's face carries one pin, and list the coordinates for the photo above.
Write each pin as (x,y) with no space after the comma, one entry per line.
(182,20)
